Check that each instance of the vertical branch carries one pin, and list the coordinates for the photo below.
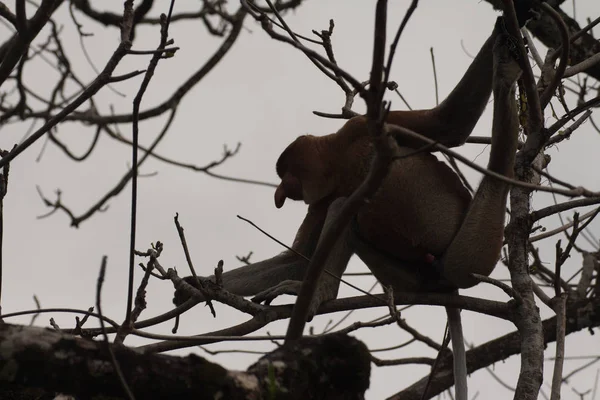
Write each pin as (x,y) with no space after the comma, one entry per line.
(376,84)
(384,151)
(435,80)
(164,26)
(512,26)
(3,190)
(560,308)
(21,24)
(409,13)
(546,96)
(517,232)
(111,353)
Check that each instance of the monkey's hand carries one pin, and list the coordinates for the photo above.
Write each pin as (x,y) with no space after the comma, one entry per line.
(292,287)
(182,295)
(526,10)
(286,287)
(506,67)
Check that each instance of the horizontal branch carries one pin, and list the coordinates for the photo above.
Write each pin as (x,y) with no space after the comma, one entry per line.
(580,315)
(40,358)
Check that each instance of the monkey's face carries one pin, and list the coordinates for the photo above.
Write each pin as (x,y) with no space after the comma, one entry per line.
(290,187)
(303,172)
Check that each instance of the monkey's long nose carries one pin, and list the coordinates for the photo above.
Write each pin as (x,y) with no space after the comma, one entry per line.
(279,196)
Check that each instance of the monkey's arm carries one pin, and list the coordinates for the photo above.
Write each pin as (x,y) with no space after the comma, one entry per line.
(255,278)
(453,120)
(252,279)
(329,281)
(476,247)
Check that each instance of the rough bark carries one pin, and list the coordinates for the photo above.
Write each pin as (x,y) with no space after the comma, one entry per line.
(583,314)
(36,362)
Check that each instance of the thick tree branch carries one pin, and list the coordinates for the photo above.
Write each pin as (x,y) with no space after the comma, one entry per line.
(583,314)
(545,30)
(335,365)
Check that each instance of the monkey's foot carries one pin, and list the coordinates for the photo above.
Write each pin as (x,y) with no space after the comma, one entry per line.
(286,287)
(506,67)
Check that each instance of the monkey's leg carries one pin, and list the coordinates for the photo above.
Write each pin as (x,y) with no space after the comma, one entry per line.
(387,269)
(403,275)
(477,245)
(406,277)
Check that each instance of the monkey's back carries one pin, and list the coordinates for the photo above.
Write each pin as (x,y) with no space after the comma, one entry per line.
(417,210)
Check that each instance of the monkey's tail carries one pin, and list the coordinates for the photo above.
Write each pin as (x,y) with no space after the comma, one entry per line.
(458,351)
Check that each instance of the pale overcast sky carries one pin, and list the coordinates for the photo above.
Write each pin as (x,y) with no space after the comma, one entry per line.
(262,94)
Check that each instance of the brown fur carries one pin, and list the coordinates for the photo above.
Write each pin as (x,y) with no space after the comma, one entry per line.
(421,207)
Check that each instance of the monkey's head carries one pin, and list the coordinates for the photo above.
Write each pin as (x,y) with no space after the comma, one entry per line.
(305,171)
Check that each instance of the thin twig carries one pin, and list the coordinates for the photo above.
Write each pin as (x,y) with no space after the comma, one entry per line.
(436,363)
(546,96)
(113,359)
(577,191)
(188,258)
(505,288)
(562,228)
(93,88)
(560,305)
(435,80)
(164,41)
(3,191)
(296,252)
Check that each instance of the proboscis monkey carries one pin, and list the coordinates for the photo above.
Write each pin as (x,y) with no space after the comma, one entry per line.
(421,231)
